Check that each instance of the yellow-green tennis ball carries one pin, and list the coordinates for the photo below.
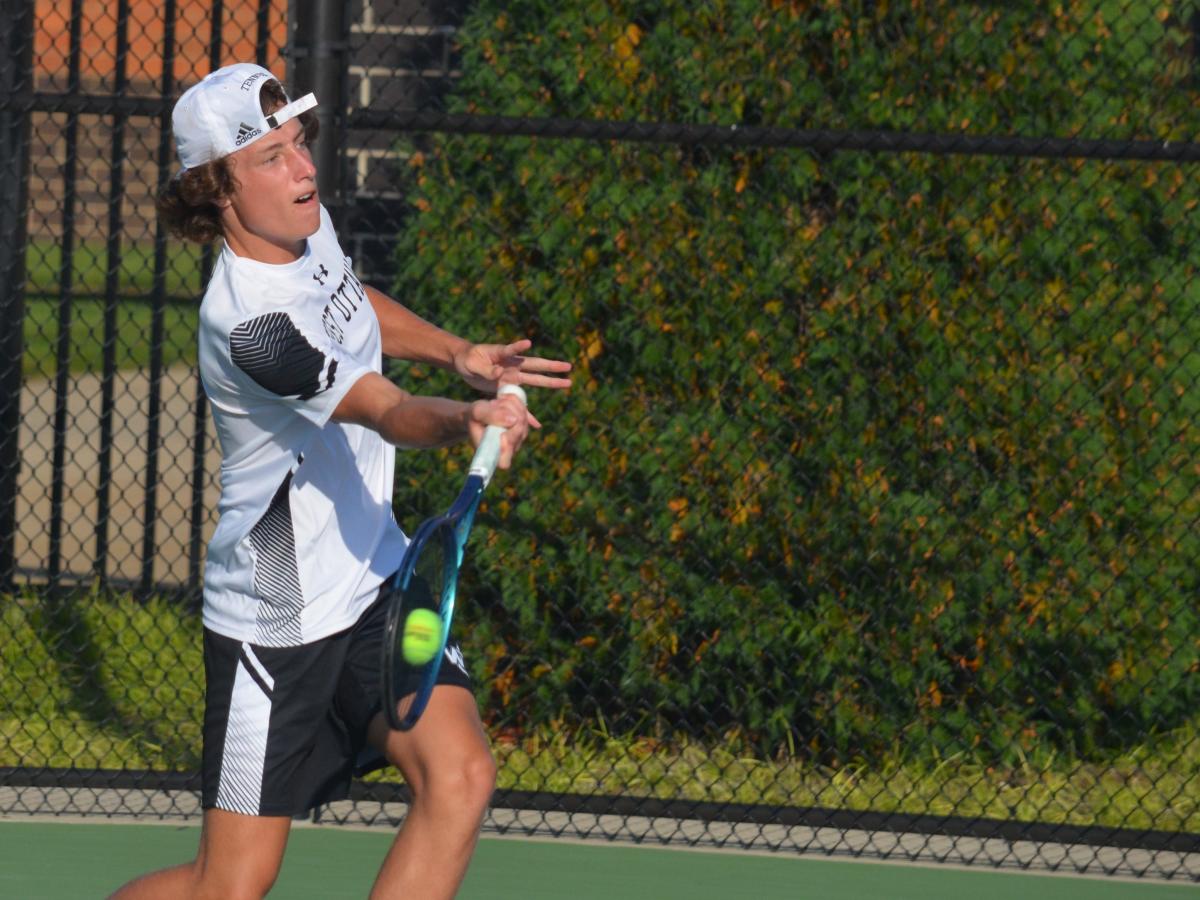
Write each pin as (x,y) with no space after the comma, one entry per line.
(422,636)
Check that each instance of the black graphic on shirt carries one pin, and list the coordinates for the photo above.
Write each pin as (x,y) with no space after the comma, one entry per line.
(272,351)
(276,575)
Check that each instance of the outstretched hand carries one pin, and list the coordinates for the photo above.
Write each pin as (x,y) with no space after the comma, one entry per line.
(487,366)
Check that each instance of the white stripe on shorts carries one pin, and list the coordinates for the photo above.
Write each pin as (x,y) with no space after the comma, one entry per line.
(245,750)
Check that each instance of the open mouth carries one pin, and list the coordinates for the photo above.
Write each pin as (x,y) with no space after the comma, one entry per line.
(307,198)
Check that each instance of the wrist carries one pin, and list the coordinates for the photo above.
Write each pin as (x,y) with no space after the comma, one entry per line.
(475,412)
(459,349)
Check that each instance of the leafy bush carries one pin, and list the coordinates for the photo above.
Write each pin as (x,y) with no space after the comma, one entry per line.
(90,679)
(866,453)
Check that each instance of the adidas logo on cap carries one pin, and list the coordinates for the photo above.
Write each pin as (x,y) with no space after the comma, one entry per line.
(245,133)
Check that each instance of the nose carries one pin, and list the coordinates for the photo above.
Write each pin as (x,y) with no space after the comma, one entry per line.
(303,166)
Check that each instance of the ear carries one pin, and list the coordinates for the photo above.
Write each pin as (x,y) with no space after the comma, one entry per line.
(228,183)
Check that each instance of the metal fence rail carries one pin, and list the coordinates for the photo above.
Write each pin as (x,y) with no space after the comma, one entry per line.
(869,525)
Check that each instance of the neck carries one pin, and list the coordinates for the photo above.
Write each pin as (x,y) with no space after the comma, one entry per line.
(263,249)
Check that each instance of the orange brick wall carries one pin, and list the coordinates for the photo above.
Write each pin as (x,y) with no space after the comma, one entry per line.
(193,33)
(144,69)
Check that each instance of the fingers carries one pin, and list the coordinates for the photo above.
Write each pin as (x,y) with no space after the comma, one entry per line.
(533,371)
(509,413)
(544,381)
(505,411)
(538,364)
(516,348)
(514,437)
(510,443)
(526,371)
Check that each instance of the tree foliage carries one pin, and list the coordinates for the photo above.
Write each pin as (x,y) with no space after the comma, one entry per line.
(865,452)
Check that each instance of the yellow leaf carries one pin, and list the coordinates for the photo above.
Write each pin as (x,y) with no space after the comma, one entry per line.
(623,48)
(593,346)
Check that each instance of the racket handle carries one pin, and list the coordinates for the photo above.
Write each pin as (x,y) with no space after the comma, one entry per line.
(487,454)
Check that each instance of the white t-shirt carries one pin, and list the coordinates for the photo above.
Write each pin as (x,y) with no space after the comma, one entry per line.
(306,533)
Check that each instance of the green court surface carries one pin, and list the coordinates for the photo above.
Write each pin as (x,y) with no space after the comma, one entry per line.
(42,860)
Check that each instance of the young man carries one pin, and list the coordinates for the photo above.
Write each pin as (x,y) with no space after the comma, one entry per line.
(291,348)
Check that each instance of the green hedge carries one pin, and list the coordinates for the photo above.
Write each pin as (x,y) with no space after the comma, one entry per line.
(866,453)
(90,679)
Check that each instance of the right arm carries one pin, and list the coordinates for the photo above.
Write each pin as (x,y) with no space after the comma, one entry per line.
(407,420)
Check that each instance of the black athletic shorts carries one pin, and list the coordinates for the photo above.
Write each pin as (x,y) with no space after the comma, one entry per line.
(283,726)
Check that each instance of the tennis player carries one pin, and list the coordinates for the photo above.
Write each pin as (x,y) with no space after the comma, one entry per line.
(291,348)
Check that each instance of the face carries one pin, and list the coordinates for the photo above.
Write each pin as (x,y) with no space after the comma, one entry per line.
(274,208)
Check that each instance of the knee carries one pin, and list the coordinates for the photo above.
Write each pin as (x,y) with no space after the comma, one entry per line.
(481,779)
(247,885)
(246,879)
(464,784)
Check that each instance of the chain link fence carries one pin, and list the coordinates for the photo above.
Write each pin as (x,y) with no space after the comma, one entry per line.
(869,524)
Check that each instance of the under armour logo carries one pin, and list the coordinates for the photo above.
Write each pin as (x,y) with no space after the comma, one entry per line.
(455,655)
(319,278)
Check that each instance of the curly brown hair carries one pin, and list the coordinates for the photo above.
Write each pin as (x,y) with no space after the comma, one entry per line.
(187,206)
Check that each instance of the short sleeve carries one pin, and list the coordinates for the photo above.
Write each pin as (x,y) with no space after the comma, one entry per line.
(288,363)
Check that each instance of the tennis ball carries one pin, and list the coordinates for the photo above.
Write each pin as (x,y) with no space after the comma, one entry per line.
(422,636)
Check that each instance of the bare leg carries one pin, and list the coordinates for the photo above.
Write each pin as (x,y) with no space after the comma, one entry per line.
(239,857)
(448,764)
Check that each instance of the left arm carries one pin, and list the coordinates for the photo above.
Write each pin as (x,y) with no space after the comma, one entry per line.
(483,366)
(407,336)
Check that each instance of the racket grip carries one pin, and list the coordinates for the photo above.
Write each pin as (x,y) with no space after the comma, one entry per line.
(487,454)
(513,389)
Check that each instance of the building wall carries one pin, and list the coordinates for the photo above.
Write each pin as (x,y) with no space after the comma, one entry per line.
(402,56)
(93,165)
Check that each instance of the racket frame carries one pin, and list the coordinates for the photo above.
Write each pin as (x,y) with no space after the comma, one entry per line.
(453,527)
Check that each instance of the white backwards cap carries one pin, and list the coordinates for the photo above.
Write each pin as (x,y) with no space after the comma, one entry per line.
(222,114)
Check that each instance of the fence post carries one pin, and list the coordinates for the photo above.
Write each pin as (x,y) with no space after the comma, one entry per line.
(318,56)
(16,69)
(158,301)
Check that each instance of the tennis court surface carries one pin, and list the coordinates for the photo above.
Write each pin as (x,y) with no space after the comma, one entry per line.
(42,860)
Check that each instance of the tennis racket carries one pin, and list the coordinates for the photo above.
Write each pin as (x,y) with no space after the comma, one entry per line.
(421,594)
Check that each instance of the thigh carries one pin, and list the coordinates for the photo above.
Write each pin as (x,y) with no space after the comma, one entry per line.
(239,855)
